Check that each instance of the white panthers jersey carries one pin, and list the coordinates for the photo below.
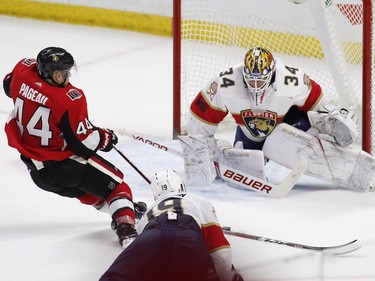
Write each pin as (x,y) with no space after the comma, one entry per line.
(199,208)
(228,93)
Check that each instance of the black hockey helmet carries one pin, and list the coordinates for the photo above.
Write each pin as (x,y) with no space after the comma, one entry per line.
(51,59)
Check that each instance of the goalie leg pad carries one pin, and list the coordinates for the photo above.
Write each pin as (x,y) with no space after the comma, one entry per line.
(286,144)
(347,167)
(363,177)
(248,161)
(199,153)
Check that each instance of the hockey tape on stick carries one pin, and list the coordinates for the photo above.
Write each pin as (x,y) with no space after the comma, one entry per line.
(235,176)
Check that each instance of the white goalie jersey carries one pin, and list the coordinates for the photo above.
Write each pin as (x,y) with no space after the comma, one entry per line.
(259,117)
(228,93)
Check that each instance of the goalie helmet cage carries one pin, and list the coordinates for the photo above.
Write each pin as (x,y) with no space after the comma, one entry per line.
(330,39)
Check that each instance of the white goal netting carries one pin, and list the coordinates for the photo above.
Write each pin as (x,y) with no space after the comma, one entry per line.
(324,37)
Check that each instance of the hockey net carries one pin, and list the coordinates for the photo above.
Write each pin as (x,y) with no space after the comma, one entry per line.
(324,37)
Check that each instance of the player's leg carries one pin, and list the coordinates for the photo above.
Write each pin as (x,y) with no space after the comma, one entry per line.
(95,201)
(181,242)
(348,167)
(138,261)
(63,178)
(59,177)
(93,182)
(201,153)
(103,179)
(192,250)
(246,156)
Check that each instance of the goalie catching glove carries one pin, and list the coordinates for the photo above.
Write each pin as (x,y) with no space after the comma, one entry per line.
(340,124)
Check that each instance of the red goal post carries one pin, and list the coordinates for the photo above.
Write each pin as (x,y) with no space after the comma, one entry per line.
(330,39)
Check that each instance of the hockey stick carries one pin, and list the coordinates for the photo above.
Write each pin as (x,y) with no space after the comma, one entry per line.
(334,249)
(131,164)
(261,186)
(147,140)
(238,177)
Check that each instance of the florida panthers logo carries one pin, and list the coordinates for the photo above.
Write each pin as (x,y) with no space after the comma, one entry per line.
(212,90)
(260,125)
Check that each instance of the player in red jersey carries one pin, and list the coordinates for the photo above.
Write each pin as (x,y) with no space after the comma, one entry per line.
(180,238)
(50,127)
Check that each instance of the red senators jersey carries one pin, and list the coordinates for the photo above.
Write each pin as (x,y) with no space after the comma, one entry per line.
(47,122)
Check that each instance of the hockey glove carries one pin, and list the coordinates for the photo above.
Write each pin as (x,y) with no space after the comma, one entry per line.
(140,209)
(6,83)
(108,138)
(341,124)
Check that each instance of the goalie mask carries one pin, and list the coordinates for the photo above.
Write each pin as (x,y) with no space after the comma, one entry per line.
(165,183)
(257,71)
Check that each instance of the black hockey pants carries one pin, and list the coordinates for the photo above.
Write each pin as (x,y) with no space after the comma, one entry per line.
(167,250)
(70,178)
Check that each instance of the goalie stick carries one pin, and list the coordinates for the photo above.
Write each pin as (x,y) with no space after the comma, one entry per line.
(261,186)
(338,249)
(239,178)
